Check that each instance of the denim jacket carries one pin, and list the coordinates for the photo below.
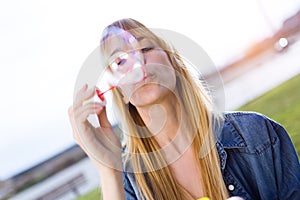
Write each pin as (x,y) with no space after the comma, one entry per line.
(257,157)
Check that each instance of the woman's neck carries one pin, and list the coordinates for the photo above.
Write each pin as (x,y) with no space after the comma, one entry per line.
(163,119)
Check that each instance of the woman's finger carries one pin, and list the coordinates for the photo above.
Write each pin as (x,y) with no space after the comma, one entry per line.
(71,118)
(88,105)
(83,95)
(103,120)
(74,125)
(84,111)
(81,91)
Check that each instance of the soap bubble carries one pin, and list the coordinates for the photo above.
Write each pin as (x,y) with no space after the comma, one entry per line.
(126,65)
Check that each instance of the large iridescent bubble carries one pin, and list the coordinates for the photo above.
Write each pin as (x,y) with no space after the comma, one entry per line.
(124,57)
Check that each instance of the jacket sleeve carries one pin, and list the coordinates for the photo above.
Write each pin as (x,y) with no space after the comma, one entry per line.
(286,164)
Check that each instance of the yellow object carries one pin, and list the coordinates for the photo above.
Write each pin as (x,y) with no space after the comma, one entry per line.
(203,198)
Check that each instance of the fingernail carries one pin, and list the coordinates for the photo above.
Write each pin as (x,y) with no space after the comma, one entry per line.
(98,107)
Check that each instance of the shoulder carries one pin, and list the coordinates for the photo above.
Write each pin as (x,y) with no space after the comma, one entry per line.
(246,118)
(250,121)
(253,130)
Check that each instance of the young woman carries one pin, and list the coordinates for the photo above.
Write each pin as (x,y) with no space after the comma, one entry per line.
(175,145)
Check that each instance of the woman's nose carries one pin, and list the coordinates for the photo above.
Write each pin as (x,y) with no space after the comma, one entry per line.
(144,57)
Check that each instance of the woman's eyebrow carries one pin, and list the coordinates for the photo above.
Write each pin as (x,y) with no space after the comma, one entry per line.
(139,39)
(147,41)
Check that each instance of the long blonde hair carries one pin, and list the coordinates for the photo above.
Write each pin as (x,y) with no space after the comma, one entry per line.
(158,182)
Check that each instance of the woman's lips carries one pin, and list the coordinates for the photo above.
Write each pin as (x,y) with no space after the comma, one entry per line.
(148,78)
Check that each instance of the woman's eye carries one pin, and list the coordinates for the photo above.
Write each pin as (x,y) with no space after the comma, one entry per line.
(121,61)
(146,49)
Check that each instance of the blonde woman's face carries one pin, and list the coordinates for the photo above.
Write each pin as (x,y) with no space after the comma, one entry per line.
(158,80)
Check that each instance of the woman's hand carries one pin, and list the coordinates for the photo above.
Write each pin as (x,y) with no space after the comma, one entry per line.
(100,144)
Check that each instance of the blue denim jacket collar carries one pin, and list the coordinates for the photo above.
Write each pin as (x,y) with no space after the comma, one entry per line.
(231,139)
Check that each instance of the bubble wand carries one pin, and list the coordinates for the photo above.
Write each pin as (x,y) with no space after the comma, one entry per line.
(101,94)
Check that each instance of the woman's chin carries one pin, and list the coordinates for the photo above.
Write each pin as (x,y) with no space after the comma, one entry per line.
(150,94)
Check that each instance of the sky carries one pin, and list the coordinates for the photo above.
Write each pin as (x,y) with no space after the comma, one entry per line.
(43,45)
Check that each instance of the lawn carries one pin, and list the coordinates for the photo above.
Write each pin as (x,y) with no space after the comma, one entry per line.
(283,105)
(95,194)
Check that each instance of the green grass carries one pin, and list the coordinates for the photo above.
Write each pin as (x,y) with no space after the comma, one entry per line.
(283,105)
(92,195)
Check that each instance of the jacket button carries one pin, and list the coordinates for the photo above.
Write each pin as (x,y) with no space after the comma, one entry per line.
(231,187)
